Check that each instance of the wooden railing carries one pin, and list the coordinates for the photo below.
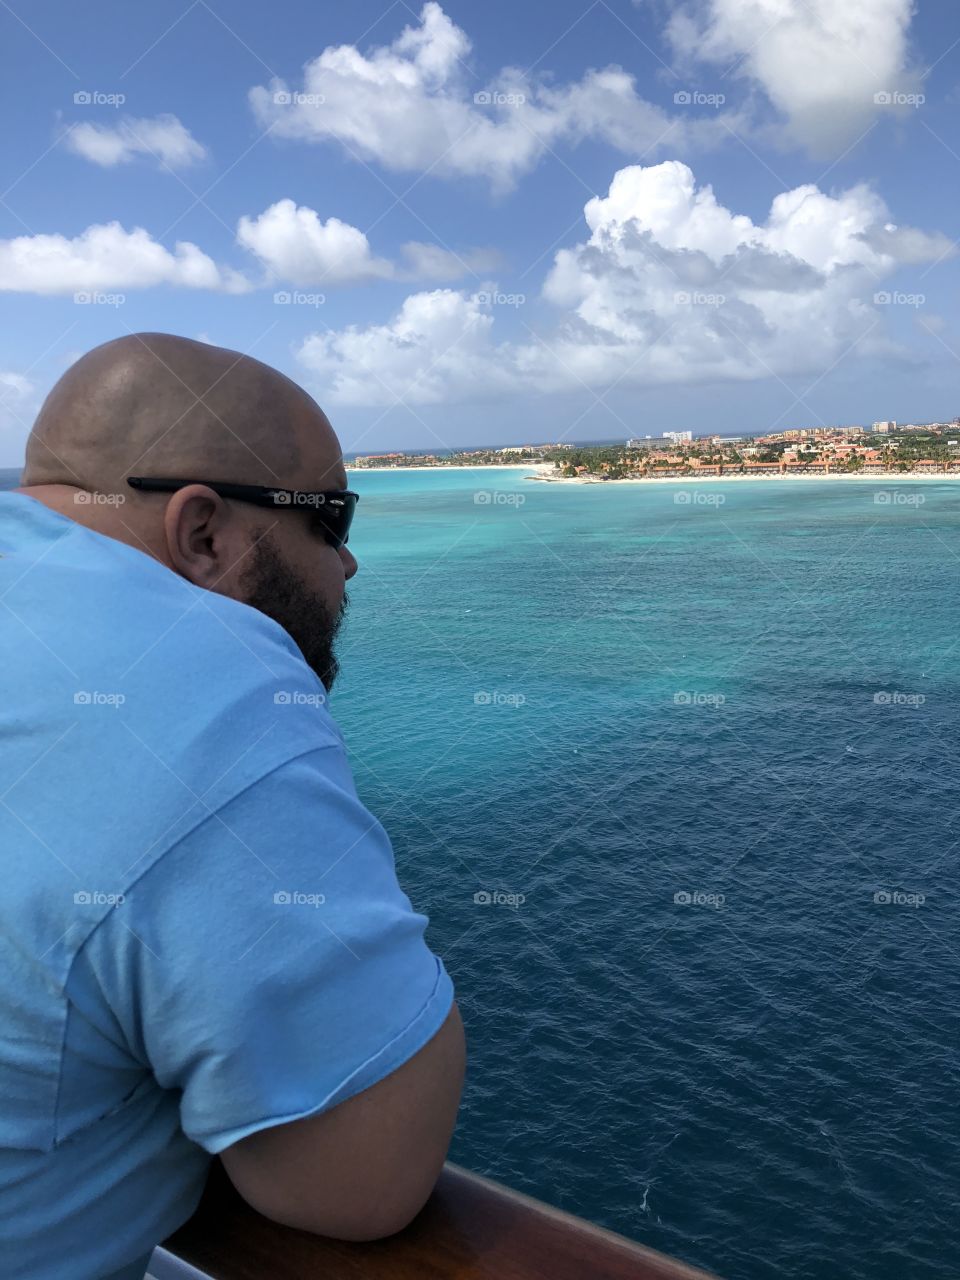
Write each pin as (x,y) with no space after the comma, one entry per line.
(470,1229)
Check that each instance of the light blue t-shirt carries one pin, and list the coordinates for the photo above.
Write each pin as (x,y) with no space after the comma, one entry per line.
(201,930)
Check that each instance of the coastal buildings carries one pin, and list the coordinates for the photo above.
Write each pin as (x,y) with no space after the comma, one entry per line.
(910,448)
(379,460)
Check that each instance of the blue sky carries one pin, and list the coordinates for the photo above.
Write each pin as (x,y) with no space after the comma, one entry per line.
(498,223)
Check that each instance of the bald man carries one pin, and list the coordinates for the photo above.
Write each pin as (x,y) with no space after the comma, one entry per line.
(204,949)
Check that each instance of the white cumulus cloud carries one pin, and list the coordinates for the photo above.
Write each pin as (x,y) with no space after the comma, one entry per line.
(163,137)
(294,244)
(438,347)
(826,65)
(669,286)
(414,106)
(106,256)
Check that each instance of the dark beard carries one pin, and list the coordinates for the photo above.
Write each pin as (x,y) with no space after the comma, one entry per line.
(270,585)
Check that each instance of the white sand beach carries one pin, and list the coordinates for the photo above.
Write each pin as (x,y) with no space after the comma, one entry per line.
(484,466)
(883,478)
(545,471)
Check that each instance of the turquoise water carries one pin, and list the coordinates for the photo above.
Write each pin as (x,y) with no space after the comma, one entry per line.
(600,698)
(682,699)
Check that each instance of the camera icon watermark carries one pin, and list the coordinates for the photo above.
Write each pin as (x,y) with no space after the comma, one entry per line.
(894,698)
(291,98)
(896,898)
(894,98)
(894,498)
(86,298)
(294,898)
(494,98)
(683,298)
(297,698)
(91,498)
(696,98)
(94,98)
(295,298)
(498,498)
(694,498)
(685,699)
(486,298)
(93,698)
(495,699)
(885,298)
(495,898)
(95,898)
(699,898)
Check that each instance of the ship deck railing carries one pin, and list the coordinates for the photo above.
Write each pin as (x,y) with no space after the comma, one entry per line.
(470,1229)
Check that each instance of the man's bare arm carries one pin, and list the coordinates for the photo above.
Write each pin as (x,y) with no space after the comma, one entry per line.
(365,1168)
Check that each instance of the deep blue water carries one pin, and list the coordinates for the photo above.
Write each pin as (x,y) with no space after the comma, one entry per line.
(601,698)
(767,1088)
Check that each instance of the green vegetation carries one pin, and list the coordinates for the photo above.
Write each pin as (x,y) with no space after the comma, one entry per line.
(914,445)
(899,451)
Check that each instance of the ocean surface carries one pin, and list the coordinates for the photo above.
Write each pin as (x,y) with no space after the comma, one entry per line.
(672,768)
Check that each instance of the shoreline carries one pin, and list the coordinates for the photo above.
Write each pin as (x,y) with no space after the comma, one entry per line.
(480,466)
(541,471)
(882,478)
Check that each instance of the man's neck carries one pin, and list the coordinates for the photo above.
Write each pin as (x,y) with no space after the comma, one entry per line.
(102,512)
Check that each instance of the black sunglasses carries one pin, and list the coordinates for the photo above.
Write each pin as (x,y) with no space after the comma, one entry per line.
(333,508)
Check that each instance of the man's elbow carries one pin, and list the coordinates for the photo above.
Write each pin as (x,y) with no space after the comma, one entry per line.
(370,1222)
(363,1212)
(365,1169)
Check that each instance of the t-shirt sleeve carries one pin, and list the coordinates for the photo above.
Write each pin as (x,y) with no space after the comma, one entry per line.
(269,966)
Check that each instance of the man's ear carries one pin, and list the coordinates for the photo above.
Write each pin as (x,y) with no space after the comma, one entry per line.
(203,540)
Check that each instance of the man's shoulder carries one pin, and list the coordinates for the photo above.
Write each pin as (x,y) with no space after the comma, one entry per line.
(217,681)
(107,642)
(102,604)
(134,708)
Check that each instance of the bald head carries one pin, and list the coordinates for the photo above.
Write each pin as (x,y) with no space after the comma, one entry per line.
(159,405)
(163,407)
